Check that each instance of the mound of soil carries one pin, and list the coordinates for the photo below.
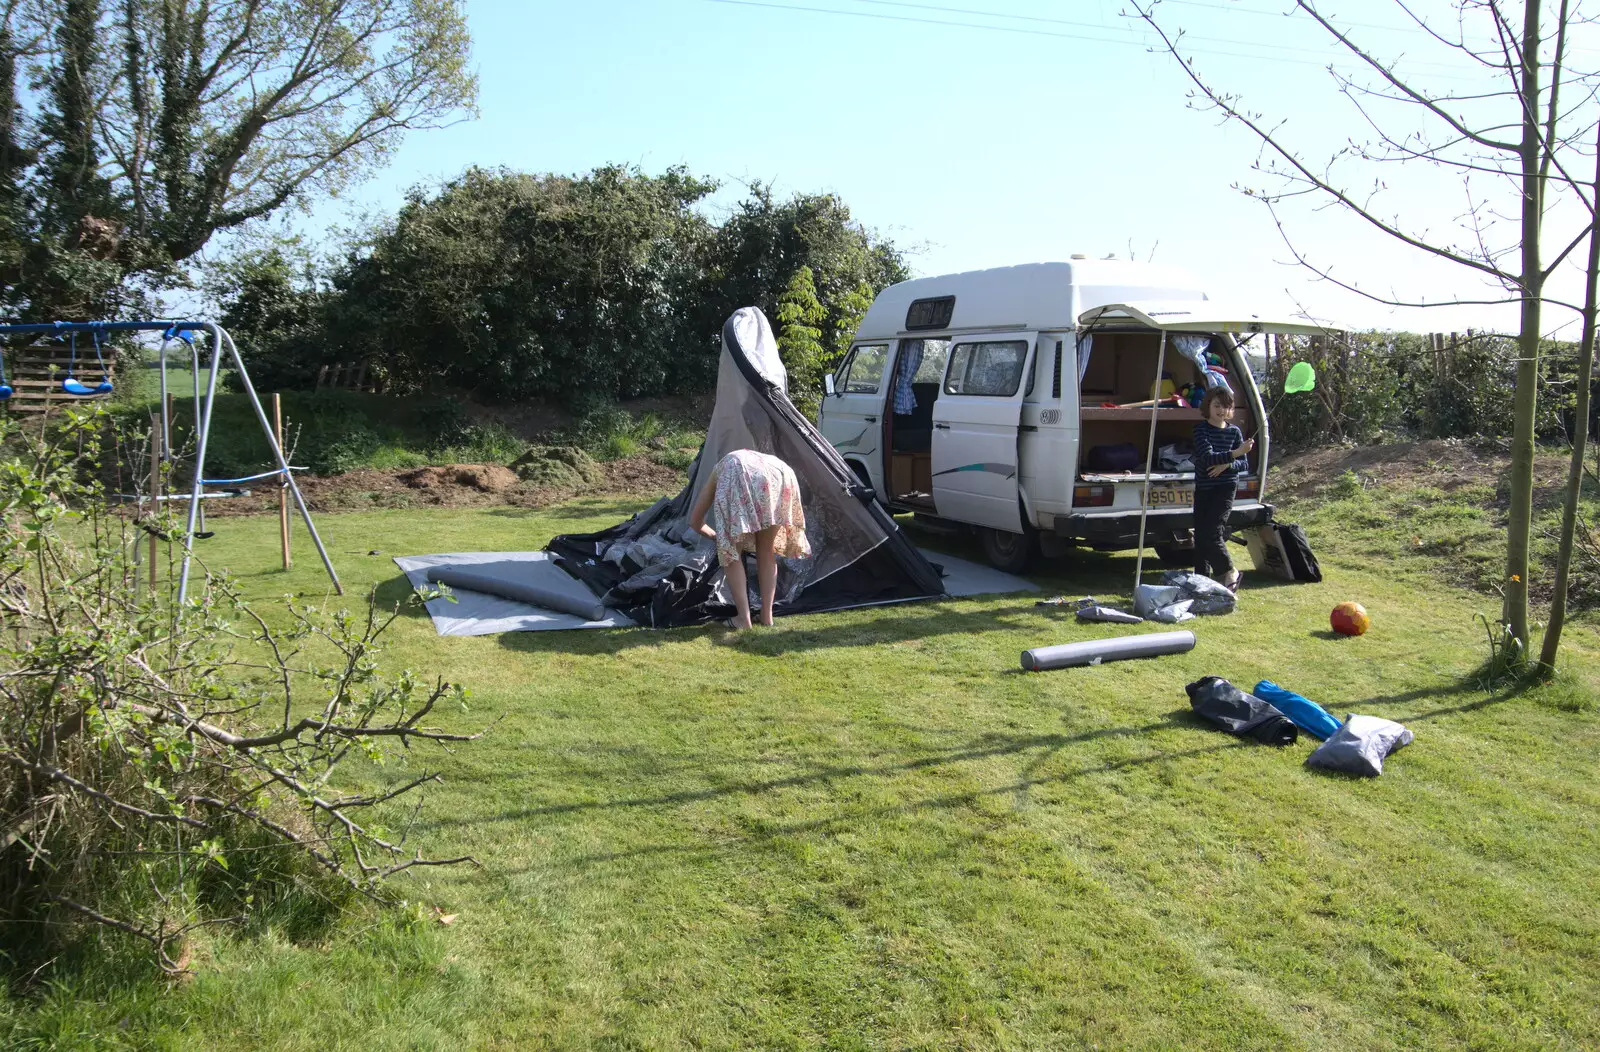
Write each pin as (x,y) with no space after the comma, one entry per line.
(463,486)
(485,478)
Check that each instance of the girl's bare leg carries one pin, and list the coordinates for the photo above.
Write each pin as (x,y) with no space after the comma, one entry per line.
(740,586)
(767,571)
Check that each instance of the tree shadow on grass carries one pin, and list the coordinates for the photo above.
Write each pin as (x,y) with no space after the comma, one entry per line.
(909,622)
(844,821)
(985,747)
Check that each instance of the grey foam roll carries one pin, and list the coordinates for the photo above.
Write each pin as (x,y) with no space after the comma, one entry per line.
(1065,655)
(590,609)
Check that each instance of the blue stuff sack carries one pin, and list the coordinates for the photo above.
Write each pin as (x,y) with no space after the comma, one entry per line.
(1302,712)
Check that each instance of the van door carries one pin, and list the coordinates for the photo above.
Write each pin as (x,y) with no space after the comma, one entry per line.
(852,416)
(975,425)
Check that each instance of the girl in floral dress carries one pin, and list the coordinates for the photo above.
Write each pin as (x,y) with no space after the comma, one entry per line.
(756,499)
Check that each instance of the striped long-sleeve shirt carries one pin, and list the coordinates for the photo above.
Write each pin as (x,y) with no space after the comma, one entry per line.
(1212,446)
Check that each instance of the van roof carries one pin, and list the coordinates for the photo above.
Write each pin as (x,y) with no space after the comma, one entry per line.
(1034,295)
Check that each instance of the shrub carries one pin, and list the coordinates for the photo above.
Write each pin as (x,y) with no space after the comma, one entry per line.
(166,766)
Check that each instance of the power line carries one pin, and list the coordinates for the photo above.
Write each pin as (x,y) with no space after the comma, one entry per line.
(1148,45)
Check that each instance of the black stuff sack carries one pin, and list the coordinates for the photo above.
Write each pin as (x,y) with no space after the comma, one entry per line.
(1124,456)
(1217,701)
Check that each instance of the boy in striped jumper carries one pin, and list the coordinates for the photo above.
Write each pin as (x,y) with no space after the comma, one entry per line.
(1219,452)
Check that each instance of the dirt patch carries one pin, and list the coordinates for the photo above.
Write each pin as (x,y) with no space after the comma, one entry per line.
(459,486)
(1445,464)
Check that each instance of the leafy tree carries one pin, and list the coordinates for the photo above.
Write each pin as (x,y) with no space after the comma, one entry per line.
(517,286)
(272,302)
(800,338)
(157,123)
(765,242)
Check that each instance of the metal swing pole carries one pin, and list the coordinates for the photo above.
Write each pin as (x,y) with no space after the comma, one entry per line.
(283,465)
(1149,460)
(203,426)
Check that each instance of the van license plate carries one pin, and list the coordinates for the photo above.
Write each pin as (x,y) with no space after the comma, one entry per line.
(1171,496)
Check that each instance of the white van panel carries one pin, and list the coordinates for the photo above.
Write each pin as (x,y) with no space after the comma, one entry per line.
(975,469)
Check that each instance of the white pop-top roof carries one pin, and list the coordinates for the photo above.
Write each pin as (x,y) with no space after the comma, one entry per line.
(1203,316)
(1033,295)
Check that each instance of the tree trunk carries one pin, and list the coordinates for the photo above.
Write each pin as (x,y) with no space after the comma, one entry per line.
(1526,403)
(1580,437)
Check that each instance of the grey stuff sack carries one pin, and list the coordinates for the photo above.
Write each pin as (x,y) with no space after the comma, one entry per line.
(1208,596)
(1359,747)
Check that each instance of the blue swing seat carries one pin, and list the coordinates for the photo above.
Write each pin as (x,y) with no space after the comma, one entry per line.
(5,392)
(72,387)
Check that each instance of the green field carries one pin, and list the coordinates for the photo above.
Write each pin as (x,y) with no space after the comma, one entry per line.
(871,830)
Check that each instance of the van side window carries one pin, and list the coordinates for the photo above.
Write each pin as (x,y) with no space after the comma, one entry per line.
(863,371)
(989,368)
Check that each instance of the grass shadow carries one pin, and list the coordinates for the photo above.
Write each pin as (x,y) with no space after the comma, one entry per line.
(844,821)
(923,619)
(984,747)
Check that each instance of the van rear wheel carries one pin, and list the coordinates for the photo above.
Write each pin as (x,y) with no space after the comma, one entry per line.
(1011,552)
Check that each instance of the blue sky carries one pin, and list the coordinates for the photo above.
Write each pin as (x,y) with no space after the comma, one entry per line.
(1020,130)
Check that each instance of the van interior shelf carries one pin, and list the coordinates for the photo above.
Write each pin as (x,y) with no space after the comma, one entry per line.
(1140,413)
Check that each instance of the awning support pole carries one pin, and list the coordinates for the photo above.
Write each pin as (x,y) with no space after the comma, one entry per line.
(1150,460)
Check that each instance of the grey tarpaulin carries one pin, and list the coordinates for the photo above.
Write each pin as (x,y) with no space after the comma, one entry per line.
(481,614)
(1094,651)
(587,607)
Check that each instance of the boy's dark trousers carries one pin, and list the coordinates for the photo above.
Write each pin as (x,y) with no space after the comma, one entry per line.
(1212,506)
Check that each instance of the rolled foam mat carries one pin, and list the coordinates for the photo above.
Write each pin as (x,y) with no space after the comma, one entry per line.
(589,608)
(1065,655)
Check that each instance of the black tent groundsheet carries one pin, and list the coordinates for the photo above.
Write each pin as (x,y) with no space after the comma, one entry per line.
(659,572)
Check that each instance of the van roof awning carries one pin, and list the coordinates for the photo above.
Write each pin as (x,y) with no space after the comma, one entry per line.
(1198,316)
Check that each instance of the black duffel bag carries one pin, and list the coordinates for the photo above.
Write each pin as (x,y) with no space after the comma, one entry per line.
(1217,701)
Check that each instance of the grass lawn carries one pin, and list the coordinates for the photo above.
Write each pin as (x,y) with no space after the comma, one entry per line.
(871,830)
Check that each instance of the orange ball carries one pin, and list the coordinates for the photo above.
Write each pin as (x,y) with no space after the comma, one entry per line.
(1350,619)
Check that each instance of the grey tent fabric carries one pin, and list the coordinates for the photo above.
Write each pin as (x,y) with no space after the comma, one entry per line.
(657,570)
(1360,746)
(1206,595)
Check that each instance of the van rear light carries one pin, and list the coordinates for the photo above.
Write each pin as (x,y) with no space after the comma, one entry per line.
(1093,496)
(1249,487)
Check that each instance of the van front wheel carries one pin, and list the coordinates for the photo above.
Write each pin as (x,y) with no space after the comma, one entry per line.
(1011,552)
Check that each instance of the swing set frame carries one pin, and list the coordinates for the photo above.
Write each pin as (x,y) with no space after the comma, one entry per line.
(221,345)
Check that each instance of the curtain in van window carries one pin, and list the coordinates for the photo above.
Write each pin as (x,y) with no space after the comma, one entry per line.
(1085,346)
(905,399)
(1194,348)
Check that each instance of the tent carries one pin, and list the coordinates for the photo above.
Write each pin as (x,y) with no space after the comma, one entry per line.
(658,571)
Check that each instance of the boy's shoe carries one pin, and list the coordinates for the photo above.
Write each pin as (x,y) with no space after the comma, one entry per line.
(1231,580)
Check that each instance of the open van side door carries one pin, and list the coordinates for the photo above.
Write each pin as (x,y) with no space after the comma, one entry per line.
(975,422)
(852,415)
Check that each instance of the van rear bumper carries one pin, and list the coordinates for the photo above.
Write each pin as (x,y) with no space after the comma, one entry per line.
(1119,531)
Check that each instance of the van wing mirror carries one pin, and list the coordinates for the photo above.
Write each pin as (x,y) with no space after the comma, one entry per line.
(827,383)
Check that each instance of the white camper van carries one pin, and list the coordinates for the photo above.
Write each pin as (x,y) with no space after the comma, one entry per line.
(1000,399)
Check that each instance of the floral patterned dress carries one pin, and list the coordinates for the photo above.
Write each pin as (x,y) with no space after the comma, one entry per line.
(755,491)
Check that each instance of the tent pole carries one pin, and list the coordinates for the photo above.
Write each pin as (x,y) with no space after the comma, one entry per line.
(1150,460)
